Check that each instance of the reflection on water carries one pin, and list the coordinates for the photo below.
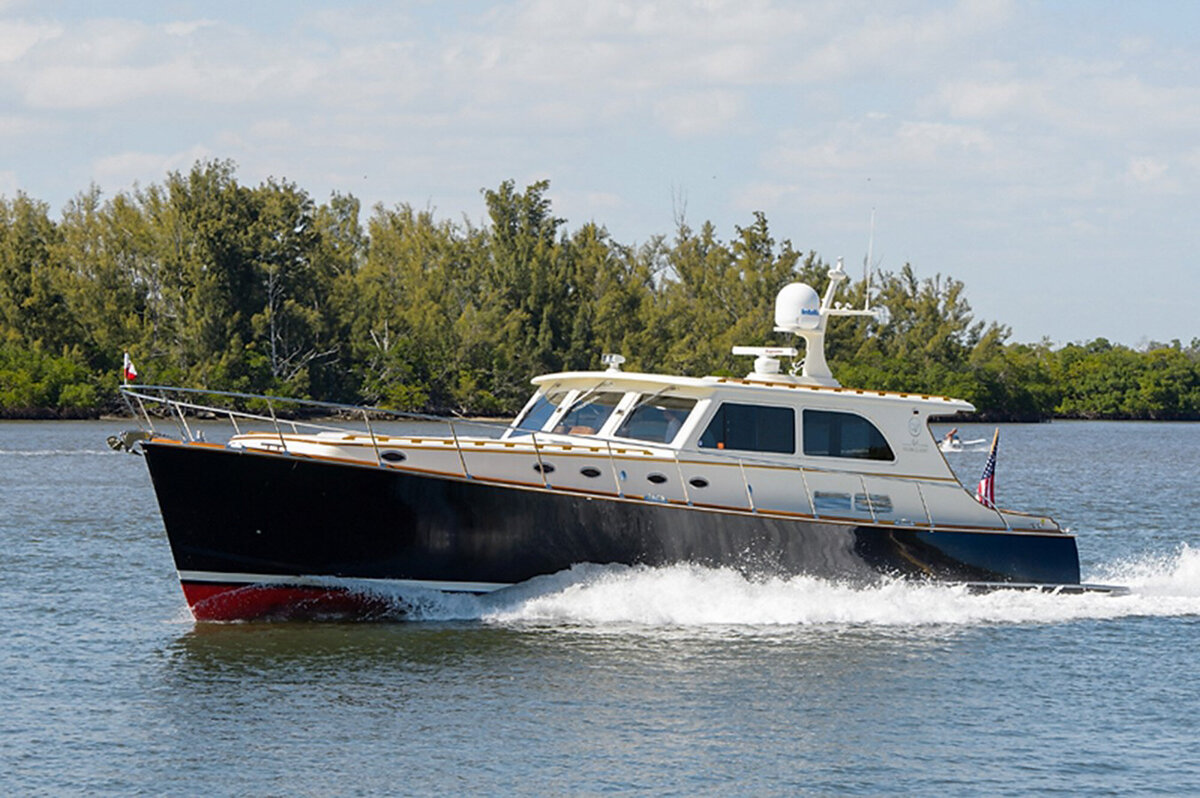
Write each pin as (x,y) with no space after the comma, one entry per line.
(820,709)
(578,705)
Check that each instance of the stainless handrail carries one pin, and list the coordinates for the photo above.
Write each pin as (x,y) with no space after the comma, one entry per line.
(132,390)
(746,485)
(612,463)
(462,460)
(687,499)
(184,424)
(179,405)
(537,453)
(925,506)
(275,421)
(808,493)
(867,498)
(371,432)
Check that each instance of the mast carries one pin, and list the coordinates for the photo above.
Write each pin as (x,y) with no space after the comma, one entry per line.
(801,312)
(867,262)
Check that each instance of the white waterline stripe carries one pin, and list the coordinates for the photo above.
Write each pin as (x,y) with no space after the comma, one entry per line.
(336,581)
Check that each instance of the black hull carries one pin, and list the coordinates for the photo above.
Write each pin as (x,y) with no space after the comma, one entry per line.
(235,512)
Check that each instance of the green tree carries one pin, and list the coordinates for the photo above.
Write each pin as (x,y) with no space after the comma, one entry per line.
(293,326)
(33,310)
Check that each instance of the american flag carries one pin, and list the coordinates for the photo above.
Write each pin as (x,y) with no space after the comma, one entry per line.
(985,492)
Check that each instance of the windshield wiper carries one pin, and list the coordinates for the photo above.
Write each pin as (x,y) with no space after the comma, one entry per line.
(588,394)
(647,400)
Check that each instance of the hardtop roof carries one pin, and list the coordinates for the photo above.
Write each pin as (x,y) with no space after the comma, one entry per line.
(638,381)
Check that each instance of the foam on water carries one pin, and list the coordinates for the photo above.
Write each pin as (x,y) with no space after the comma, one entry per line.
(692,596)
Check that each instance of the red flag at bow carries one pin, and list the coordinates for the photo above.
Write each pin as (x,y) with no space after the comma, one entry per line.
(128,371)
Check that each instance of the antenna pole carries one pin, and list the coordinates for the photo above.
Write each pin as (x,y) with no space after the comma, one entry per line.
(867,262)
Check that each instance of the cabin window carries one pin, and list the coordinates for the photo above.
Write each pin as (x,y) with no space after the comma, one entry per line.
(540,411)
(831,434)
(657,420)
(752,428)
(588,414)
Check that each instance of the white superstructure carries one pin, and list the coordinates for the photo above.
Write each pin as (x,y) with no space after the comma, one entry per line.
(792,443)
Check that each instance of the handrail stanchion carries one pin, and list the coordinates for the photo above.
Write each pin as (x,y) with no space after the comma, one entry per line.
(458,447)
(233,420)
(746,485)
(129,406)
(182,421)
(275,421)
(612,463)
(537,453)
(374,442)
(808,493)
(682,482)
(146,414)
(867,497)
(925,505)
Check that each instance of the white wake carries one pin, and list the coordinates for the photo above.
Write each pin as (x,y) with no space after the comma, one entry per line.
(691,596)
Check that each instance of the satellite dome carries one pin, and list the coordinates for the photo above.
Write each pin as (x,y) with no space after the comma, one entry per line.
(797,307)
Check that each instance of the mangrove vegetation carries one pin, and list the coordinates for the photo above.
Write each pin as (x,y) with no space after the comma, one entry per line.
(210,283)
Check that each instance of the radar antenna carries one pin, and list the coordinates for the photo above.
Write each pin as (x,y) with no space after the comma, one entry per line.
(800,311)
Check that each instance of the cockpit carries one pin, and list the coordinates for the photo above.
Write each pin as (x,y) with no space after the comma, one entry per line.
(666,414)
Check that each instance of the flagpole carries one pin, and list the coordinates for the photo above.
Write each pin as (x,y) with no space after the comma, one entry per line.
(128,370)
(985,491)
(995,440)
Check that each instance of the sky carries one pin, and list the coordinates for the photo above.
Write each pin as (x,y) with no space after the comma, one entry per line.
(1046,154)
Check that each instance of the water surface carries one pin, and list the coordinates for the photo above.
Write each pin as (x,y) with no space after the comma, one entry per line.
(674,680)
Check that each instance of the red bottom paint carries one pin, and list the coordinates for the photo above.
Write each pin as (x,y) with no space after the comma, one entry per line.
(219,602)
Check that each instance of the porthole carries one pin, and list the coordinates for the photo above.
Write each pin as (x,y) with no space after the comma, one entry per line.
(588,471)
(394,457)
(698,482)
(543,468)
(657,478)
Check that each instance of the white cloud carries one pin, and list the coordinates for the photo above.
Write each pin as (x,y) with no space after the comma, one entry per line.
(700,112)
(930,142)
(127,168)
(868,39)
(984,100)
(18,37)
(758,195)
(884,145)
(184,29)
(989,115)
(1146,170)
(23,126)
(603,200)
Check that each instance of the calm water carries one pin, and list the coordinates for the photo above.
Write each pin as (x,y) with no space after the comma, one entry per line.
(675,681)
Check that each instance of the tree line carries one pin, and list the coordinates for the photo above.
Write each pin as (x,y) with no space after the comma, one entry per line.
(211,283)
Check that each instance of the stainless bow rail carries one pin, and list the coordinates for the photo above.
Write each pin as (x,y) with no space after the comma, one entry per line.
(178,404)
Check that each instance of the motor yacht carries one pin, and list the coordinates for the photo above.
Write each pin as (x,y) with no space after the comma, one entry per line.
(780,472)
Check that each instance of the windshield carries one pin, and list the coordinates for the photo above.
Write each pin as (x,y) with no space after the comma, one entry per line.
(657,420)
(540,411)
(588,416)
